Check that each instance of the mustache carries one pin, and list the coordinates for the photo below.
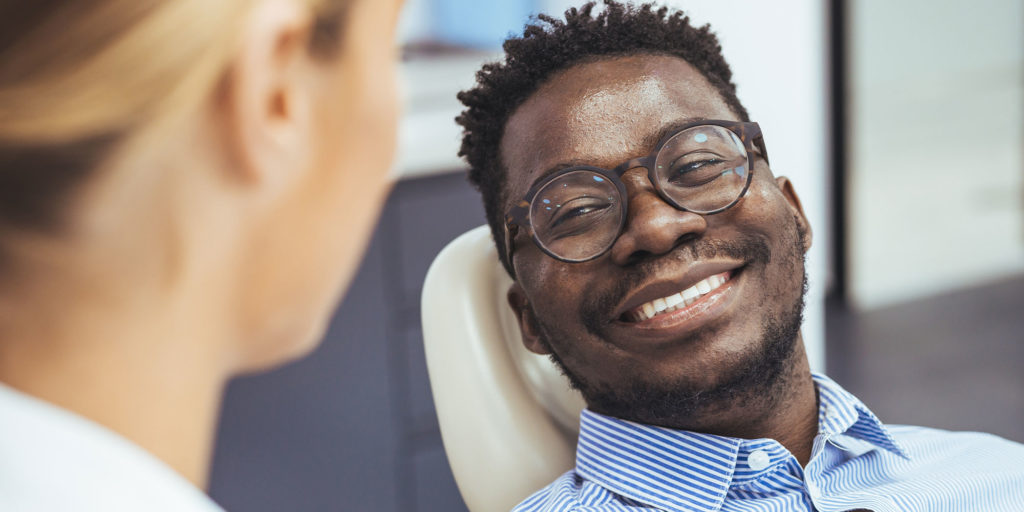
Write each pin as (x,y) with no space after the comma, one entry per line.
(751,249)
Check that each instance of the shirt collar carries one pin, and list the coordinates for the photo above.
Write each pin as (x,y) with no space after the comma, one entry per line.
(678,469)
(842,414)
(52,459)
(671,469)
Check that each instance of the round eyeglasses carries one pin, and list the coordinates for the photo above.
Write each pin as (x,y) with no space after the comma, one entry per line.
(576,214)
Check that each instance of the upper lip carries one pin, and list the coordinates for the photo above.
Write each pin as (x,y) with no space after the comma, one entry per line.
(659,288)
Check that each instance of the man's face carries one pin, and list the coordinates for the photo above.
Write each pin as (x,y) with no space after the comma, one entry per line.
(686,368)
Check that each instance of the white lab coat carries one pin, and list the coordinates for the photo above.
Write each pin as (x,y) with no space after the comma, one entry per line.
(52,460)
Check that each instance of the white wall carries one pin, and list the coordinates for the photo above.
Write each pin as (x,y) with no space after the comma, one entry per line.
(937,146)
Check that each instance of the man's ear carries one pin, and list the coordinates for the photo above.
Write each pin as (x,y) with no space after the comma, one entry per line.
(527,321)
(789,193)
(266,98)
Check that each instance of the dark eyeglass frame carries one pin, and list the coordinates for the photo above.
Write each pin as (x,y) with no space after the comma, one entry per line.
(518,216)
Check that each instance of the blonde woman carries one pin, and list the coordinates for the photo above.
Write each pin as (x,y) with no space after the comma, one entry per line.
(186,187)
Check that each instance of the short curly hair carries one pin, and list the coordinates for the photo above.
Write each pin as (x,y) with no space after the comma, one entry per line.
(550,45)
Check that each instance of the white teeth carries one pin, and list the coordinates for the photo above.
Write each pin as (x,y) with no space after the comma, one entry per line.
(649,309)
(703,287)
(678,300)
(672,300)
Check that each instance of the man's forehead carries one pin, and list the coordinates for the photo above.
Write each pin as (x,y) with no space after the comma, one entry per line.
(602,113)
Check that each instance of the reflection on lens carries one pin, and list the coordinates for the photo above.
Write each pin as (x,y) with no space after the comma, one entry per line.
(703,168)
(577,215)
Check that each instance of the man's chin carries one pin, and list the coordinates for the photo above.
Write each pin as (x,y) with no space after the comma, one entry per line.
(750,381)
(681,403)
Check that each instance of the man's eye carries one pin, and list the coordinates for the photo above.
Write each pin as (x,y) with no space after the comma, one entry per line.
(697,165)
(577,213)
(697,172)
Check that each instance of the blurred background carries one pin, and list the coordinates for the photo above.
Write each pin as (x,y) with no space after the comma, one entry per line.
(900,122)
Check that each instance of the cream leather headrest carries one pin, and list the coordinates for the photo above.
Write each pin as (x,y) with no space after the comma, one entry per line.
(508,417)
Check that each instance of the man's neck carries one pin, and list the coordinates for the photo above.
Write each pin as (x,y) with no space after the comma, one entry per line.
(790,417)
(794,423)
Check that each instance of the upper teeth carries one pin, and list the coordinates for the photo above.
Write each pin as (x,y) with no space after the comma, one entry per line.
(678,300)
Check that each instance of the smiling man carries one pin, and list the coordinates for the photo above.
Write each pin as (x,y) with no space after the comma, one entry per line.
(658,260)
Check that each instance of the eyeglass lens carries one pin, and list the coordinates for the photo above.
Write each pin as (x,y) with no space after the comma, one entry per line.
(579,214)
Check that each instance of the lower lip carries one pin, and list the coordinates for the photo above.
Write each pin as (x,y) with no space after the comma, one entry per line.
(702,311)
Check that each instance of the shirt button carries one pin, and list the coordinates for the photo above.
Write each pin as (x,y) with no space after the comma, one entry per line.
(758,460)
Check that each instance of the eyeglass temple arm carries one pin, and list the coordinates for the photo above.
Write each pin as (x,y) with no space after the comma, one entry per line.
(759,142)
(511,230)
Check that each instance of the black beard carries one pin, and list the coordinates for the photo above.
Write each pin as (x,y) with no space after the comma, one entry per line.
(758,378)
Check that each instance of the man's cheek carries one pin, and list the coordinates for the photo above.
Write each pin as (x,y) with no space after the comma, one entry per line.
(550,302)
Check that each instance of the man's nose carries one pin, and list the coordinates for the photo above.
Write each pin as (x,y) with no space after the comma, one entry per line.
(653,226)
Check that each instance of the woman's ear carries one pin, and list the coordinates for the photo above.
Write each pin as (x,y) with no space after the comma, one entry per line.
(789,193)
(527,320)
(266,99)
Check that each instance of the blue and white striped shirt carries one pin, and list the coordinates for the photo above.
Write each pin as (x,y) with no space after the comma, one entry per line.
(856,463)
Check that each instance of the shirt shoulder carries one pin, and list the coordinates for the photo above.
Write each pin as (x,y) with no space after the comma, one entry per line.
(957,471)
(932,444)
(571,492)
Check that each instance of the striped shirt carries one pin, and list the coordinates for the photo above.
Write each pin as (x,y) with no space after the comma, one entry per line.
(856,463)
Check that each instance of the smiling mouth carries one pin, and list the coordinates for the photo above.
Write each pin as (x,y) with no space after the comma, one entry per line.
(677,301)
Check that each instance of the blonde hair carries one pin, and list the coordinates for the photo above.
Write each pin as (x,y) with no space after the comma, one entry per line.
(80,77)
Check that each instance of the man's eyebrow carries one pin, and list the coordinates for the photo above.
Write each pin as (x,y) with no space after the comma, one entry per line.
(649,141)
(559,166)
